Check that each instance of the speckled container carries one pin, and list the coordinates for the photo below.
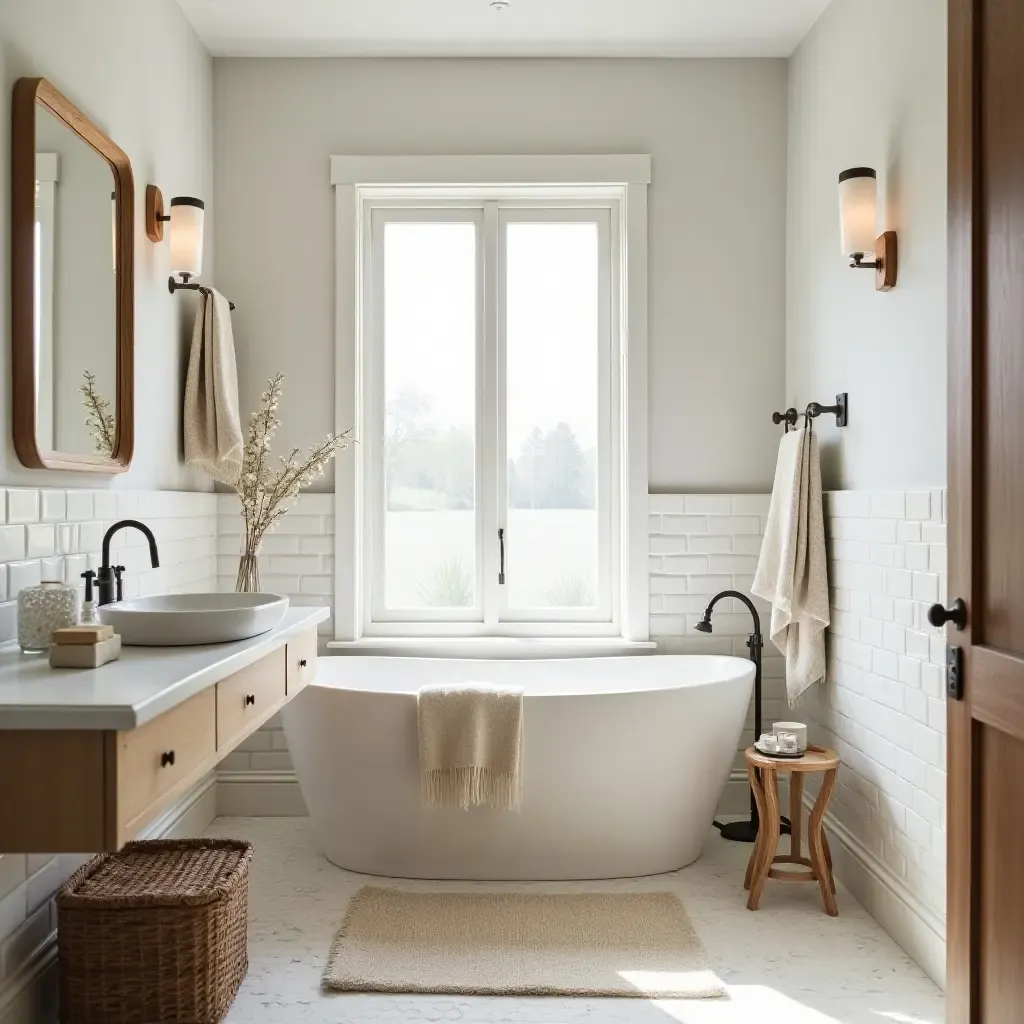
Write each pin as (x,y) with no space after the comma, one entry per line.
(42,609)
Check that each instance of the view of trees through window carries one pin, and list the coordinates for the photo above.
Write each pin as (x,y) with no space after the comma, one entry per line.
(432,425)
(431,467)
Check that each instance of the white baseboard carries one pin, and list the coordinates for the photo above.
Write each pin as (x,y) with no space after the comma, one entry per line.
(910,922)
(259,794)
(30,996)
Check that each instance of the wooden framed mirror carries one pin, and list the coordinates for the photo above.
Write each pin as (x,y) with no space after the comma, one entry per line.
(72,287)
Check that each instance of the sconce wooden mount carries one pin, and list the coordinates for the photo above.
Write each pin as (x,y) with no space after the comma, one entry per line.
(155,216)
(885,264)
(886,261)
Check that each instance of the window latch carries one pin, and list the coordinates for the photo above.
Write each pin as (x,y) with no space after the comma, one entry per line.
(501,555)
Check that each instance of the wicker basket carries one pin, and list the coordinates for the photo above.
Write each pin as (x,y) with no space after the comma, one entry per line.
(154,934)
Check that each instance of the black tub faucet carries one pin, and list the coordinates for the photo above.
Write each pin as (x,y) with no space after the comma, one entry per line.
(108,577)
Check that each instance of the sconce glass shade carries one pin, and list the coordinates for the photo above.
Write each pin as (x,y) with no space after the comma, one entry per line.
(187,216)
(858,196)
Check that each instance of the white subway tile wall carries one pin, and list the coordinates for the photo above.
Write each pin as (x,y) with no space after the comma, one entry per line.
(883,707)
(297,559)
(701,544)
(56,534)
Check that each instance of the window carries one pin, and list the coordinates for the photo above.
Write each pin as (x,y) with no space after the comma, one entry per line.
(489,496)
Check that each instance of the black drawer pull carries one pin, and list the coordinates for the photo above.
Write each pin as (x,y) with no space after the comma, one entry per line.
(167,758)
(302,663)
(250,698)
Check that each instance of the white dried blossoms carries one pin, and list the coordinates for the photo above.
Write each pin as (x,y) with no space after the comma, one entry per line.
(267,491)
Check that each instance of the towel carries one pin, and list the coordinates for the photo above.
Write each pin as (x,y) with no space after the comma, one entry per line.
(471,739)
(791,572)
(213,431)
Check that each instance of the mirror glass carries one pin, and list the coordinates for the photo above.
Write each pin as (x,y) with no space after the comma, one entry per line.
(75,293)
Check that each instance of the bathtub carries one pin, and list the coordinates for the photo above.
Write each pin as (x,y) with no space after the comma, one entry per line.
(624,763)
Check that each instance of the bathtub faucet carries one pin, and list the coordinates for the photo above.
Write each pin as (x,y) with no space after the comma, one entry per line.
(744,831)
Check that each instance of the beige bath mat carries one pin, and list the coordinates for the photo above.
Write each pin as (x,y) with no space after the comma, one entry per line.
(580,944)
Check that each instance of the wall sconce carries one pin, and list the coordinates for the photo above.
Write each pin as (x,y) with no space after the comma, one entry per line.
(186,219)
(858,212)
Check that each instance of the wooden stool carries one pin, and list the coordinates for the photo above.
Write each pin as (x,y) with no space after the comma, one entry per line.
(763,772)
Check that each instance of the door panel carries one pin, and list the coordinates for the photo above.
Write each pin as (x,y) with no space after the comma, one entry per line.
(985,923)
(1001,823)
(1002,433)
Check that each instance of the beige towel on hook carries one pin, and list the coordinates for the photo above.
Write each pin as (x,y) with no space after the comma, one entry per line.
(471,743)
(792,572)
(213,430)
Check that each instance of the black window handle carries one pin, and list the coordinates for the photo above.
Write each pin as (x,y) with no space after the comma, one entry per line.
(250,698)
(501,548)
(167,759)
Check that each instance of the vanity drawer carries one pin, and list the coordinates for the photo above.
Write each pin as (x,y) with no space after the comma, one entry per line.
(301,661)
(248,698)
(160,755)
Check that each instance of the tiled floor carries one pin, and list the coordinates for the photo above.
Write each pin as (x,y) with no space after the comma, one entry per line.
(786,964)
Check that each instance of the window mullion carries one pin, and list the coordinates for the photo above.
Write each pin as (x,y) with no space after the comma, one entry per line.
(488,422)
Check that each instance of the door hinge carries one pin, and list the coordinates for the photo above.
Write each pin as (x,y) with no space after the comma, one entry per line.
(955,673)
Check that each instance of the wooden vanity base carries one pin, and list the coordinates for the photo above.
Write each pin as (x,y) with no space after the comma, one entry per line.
(80,790)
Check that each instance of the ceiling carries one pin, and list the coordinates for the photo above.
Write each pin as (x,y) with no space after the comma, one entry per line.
(562,28)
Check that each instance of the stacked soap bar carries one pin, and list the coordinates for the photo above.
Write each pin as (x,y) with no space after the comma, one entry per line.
(84,646)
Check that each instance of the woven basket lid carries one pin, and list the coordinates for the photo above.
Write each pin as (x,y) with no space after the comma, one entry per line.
(159,873)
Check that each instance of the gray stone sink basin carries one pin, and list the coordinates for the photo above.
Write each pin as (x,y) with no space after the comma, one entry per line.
(187,620)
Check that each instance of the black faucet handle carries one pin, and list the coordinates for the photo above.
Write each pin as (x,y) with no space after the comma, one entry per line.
(118,569)
(89,575)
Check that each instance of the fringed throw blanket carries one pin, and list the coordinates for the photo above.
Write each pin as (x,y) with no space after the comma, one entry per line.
(471,741)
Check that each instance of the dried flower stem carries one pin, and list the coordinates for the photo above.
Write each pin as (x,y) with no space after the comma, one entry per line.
(266,493)
(99,419)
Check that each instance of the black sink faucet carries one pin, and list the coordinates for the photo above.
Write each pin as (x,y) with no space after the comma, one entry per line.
(108,576)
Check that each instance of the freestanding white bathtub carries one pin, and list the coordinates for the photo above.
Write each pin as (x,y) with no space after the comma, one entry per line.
(624,762)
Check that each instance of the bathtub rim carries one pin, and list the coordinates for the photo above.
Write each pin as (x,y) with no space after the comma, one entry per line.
(742,671)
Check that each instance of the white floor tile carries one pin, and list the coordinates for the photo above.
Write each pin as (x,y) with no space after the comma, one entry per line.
(788,963)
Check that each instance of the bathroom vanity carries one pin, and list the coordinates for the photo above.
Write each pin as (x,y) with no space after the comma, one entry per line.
(89,757)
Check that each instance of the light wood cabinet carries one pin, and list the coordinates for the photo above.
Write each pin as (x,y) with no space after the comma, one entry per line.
(248,698)
(301,661)
(162,758)
(74,790)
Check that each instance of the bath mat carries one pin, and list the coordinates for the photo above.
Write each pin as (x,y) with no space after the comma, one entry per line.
(580,944)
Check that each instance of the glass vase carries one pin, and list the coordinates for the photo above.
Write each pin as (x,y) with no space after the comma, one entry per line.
(248,581)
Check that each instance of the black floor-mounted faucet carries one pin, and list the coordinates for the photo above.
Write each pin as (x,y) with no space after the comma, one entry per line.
(108,577)
(744,831)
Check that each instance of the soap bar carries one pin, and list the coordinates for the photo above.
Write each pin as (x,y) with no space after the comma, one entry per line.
(85,655)
(82,634)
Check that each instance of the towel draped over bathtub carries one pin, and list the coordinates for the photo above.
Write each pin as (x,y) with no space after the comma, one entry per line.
(471,745)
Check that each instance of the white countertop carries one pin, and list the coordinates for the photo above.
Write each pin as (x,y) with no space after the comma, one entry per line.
(124,694)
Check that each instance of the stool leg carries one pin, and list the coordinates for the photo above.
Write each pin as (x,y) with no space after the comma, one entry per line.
(828,859)
(796,809)
(769,811)
(817,840)
(755,853)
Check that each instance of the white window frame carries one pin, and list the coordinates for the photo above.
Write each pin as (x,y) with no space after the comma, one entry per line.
(616,183)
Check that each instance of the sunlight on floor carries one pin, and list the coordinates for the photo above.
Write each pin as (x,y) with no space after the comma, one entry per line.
(902,1018)
(748,1003)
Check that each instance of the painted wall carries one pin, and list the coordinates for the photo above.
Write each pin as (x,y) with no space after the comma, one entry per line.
(716,131)
(139,71)
(867,86)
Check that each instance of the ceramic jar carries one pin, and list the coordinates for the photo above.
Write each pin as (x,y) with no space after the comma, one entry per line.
(41,609)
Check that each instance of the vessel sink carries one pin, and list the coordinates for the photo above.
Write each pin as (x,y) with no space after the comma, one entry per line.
(186,620)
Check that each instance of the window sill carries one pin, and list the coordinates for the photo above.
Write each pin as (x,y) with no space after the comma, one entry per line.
(493,647)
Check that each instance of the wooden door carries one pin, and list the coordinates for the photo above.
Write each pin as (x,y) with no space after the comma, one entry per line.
(985,921)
